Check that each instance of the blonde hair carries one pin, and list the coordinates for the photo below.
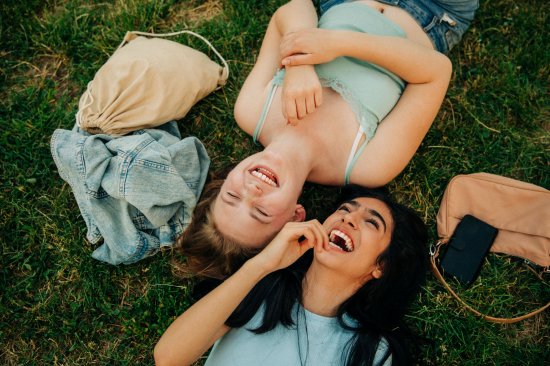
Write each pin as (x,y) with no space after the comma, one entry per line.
(207,252)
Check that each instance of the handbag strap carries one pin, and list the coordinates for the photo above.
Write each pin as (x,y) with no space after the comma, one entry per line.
(434,253)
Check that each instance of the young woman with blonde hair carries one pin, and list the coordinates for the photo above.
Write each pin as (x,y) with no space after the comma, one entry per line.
(357,94)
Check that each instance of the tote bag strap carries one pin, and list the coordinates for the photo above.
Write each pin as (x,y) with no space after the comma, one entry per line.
(434,253)
(130,35)
(87,97)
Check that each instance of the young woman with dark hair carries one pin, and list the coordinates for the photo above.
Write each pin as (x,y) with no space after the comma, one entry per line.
(341,303)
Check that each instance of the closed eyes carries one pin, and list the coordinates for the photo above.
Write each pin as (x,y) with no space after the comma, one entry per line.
(373,222)
(346,207)
(232,196)
(261,212)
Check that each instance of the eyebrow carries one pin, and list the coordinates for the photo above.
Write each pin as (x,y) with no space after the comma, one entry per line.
(250,213)
(257,218)
(375,213)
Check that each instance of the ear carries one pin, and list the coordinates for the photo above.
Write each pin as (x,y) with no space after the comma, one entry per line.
(377,273)
(299,213)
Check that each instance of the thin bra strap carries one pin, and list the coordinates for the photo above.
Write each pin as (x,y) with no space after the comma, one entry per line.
(263,116)
(354,153)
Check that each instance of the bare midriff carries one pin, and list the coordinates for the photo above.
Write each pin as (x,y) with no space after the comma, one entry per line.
(400,17)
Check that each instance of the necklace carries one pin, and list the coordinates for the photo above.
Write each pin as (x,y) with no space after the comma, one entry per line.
(301,314)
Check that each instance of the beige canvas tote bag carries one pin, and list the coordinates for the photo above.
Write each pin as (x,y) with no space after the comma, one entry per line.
(148,81)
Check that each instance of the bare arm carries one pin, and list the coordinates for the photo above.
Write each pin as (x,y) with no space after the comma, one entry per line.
(194,331)
(401,132)
(399,135)
(411,61)
(296,15)
(291,17)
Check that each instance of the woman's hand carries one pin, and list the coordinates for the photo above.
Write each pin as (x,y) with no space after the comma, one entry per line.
(309,47)
(204,322)
(291,243)
(302,93)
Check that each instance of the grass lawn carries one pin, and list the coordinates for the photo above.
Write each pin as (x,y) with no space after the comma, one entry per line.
(58,306)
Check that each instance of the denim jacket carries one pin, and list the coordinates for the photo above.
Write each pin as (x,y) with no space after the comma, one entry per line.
(136,192)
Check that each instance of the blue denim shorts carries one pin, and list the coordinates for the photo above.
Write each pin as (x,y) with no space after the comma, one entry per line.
(444,21)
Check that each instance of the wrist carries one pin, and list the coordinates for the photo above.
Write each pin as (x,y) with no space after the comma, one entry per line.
(293,68)
(256,267)
(342,43)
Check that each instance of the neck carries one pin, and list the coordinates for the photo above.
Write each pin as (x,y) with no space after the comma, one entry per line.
(296,149)
(325,290)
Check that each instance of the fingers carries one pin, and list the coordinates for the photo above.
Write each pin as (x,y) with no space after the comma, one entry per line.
(310,104)
(297,107)
(318,97)
(313,232)
(288,45)
(301,107)
(302,93)
(291,243)
(298,59)
(289,110)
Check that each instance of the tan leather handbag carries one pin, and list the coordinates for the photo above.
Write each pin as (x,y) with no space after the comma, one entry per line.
(148,81)
(520,211)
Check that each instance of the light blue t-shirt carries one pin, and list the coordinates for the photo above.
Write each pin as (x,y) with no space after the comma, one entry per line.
(316,340)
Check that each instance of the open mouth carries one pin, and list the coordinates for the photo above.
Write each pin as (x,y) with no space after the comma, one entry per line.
(341,241)
(266,176)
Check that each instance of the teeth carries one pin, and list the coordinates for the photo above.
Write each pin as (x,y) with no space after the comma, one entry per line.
(335,245)
(258,173)
(347,243)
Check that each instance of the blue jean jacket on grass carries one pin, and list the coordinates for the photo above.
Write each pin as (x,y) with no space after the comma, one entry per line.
(136,192)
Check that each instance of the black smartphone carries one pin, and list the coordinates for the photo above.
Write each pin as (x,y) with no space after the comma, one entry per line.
(467,248)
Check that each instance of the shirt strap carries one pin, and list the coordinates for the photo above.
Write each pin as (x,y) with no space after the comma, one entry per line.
(263,116)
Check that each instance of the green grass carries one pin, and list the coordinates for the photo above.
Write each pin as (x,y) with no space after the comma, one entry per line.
(59,306)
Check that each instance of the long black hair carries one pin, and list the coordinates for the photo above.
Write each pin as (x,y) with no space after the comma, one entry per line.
(378,307)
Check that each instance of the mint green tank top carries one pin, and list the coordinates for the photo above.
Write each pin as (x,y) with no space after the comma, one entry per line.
(371,91)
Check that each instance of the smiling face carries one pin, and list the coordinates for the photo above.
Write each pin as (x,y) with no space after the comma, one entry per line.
(359,231)
(257,198)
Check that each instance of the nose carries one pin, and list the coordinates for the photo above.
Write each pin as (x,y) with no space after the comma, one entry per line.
(253,189)
(350,219)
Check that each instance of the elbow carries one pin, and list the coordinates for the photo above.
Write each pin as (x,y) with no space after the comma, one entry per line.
(165,356)
(238,109)
(283,11)
(277,15)
(441,72)
(161,356)
(380,180)
(446,68)
(241,113)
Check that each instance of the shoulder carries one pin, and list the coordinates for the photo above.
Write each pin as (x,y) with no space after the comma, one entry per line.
(249,105)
